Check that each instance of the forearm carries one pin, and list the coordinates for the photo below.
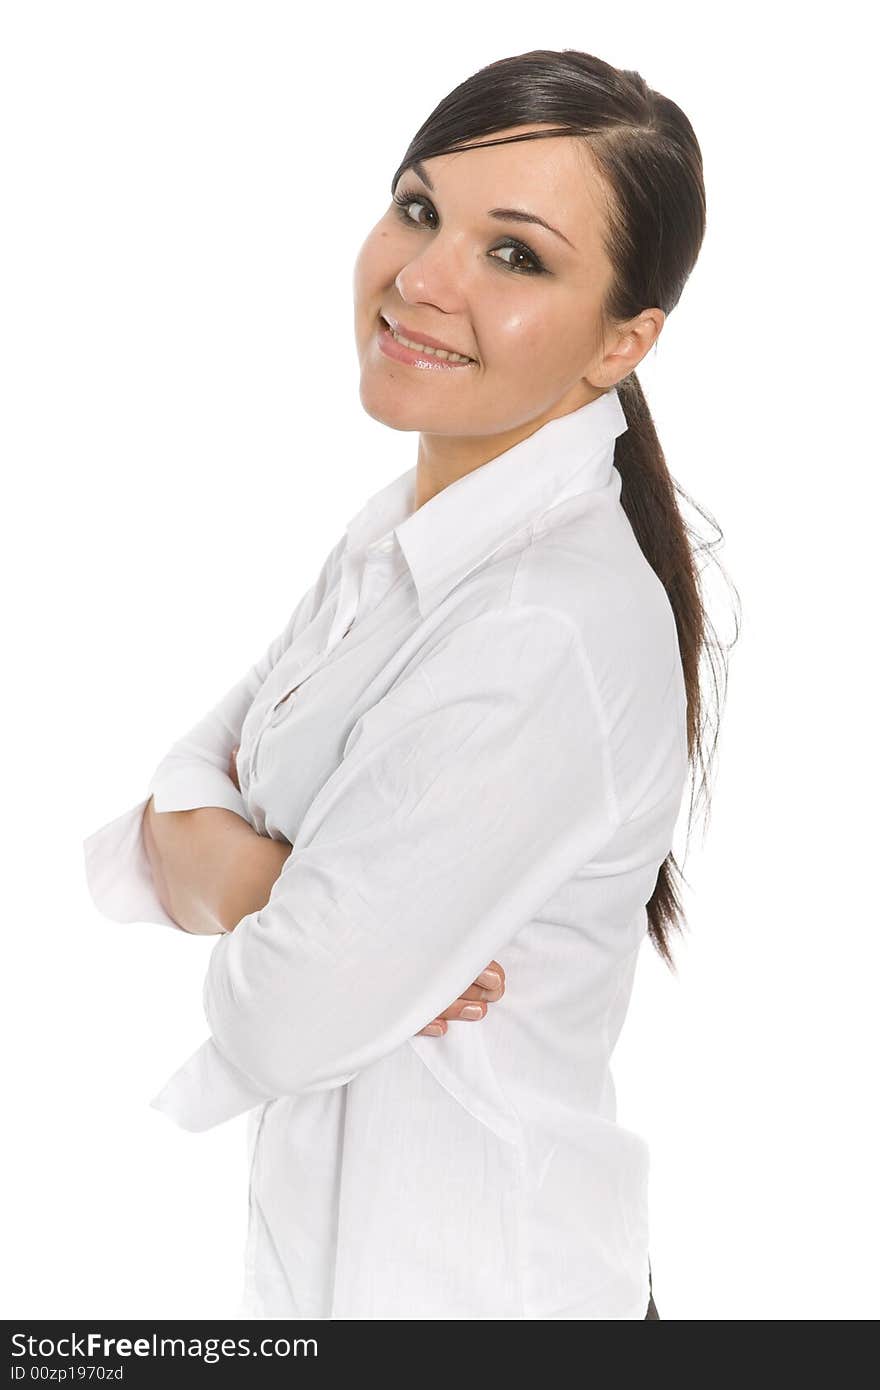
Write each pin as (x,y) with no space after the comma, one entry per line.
(257,865)
(210,867)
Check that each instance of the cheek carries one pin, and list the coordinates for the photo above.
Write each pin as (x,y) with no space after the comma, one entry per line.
(521,340)
(541,341)
(374,266)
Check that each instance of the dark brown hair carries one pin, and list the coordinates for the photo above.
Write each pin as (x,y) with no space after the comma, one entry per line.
(651,166)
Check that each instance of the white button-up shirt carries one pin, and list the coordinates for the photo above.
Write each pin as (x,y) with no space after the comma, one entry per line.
(472,730)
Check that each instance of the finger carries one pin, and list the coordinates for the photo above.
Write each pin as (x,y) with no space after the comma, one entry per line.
(233,770)
(491,981)
(433,1030)
(476,992)
(492,977)
(460,1011)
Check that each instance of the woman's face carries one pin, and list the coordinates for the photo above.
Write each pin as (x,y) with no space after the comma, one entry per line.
(522,300)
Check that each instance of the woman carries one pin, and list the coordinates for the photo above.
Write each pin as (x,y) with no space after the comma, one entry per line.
(476,727)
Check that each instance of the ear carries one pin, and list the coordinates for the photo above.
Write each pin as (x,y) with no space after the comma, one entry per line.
(629,344)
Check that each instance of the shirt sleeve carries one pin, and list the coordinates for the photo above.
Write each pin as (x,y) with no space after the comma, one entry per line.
(194,772)
(463,800)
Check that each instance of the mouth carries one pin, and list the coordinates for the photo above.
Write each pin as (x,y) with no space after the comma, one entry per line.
(406,346)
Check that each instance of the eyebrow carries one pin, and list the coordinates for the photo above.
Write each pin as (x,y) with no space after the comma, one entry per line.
(500,214)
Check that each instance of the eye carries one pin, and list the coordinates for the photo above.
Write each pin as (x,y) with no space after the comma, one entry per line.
(519,250)
(409,198)
(405,201)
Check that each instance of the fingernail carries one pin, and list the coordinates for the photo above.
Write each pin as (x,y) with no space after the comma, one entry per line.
(472,1011)
(434,1031)
(490,978)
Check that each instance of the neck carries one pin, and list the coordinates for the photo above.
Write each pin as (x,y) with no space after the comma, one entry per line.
(443,458)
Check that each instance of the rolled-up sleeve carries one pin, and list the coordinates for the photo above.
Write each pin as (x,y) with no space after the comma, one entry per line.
(464,798)
(194,772)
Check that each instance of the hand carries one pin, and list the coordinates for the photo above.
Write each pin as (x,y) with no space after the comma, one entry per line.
(478,995)
(233,770)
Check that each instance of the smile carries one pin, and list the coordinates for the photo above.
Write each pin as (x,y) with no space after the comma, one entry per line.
(418,354)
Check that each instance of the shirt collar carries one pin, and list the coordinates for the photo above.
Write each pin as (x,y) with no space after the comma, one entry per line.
(458,528)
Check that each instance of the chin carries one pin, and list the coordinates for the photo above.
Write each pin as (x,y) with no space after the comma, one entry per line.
(389,402)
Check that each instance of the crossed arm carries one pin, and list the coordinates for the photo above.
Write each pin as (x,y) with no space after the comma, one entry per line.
(211,869)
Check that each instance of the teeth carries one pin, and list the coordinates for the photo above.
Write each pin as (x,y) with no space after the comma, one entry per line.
(428,351)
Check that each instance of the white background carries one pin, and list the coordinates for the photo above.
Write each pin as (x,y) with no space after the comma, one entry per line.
(185,188)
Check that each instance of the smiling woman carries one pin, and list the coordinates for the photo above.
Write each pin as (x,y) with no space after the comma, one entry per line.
(474,733)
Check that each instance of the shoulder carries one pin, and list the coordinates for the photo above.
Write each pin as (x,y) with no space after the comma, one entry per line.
(587,562)
(580,571)
(579,603)
(503,647)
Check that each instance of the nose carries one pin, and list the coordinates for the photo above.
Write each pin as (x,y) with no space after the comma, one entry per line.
(435,276)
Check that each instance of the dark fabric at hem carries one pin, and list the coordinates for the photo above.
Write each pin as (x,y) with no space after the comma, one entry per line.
(652,1306)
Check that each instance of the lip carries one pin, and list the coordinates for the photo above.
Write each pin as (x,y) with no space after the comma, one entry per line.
(405,354)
